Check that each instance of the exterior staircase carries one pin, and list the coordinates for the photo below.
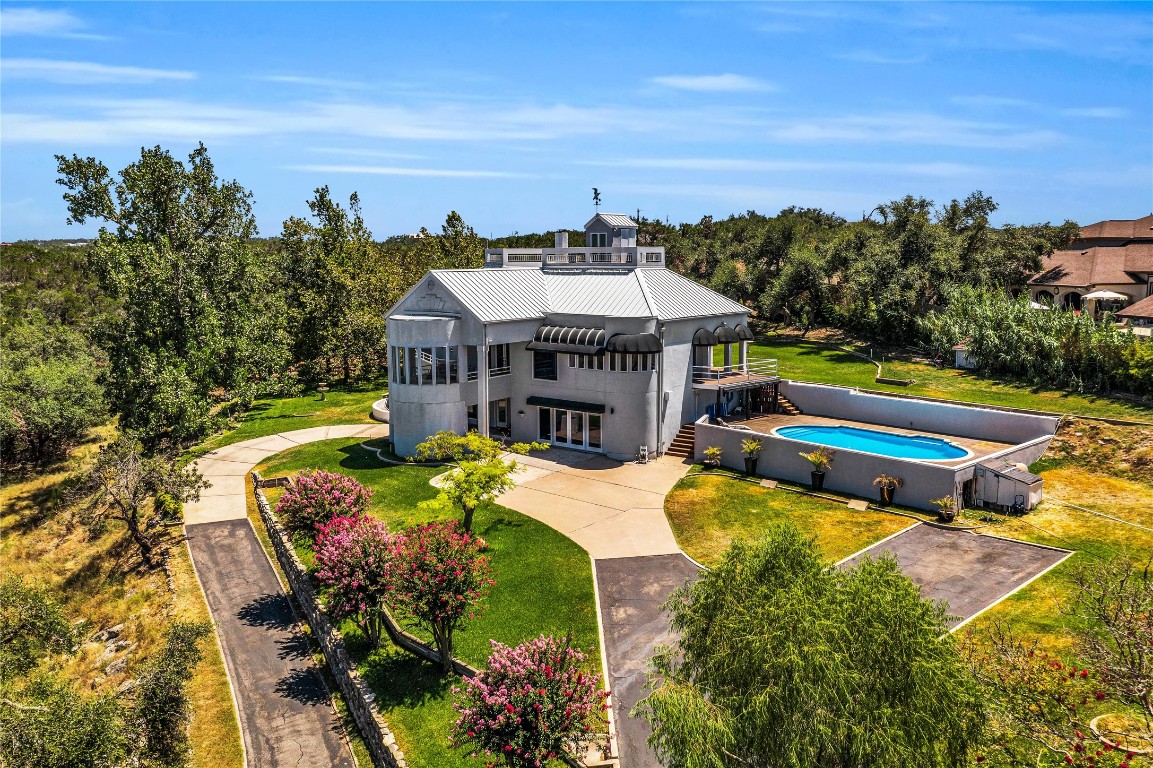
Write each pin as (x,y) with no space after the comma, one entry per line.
(786,407)
(682,444)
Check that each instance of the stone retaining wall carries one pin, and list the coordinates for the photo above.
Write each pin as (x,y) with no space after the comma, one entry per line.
(358,697)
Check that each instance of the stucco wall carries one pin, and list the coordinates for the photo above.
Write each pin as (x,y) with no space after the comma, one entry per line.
(850,472)
(945,418)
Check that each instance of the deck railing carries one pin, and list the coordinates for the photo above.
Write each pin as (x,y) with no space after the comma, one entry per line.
(752,368)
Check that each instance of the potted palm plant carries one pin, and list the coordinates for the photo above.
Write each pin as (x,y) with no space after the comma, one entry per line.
(888,486)
(820,459)
(947,508)
(712,457)
(751,447)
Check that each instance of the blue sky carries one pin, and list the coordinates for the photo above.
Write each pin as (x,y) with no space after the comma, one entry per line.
(510,113)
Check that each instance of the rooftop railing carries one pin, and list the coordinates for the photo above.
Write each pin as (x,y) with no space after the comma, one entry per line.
(577,257)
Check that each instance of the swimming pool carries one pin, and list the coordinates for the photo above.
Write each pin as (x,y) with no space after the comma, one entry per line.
(874,441)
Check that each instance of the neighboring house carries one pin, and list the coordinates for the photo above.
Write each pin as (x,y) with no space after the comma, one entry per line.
(598,348)
(1108,267)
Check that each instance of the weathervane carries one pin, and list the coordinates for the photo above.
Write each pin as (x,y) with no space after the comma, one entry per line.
(596,198)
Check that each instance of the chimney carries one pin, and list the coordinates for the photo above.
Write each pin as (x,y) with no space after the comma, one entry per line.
(560,239)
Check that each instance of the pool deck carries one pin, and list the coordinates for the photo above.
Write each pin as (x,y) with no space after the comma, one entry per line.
(766,424)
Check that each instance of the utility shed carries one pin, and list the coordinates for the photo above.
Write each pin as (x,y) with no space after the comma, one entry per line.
(1004,486)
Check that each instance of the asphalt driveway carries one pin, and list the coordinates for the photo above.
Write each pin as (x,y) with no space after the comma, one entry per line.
(286,712)
(632,591)
(968,571)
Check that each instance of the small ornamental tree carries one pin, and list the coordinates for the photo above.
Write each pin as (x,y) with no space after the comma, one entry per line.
(534,703)
(316,496)
(482,472)
(352,558)
(437,576)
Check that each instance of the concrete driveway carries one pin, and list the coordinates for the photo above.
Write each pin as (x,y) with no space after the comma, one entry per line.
(969,571)
(608,508)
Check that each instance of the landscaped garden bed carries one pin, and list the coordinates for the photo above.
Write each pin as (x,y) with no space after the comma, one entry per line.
(543,585)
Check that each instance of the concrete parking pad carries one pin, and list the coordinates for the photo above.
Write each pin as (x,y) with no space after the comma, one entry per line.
(632,591)
(286,712)
(968,571)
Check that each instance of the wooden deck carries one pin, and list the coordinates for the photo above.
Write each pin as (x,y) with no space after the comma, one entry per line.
(735,379)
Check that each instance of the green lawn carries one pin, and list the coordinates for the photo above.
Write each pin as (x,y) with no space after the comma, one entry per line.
(809,361)
(543,586)
(344,404)
(708,512)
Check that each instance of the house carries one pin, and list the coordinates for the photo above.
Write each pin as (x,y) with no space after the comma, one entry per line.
(1110,264)
(600,348)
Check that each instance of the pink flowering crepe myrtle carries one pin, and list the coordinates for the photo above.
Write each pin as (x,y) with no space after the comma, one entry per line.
(317,496)
(533,704)
(352,563)
(437,579)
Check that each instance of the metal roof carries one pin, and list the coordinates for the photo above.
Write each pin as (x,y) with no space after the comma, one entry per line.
(1006,469)
(726,335)
(613,220)
(500,295)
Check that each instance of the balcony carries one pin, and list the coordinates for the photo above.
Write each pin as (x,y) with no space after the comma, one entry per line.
(752,372)
(575,257)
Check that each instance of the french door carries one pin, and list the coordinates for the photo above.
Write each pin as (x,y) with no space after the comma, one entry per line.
(569,429)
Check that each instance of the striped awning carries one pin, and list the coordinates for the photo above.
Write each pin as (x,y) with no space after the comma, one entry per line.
(705,338)
(633,342)
(726,335)
(560,338)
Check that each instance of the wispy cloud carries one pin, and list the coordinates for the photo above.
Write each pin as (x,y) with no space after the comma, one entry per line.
(913,128)
(980,101)
(315,82)
(85,72)
(750,165)
(388,170)
(745,196)
(1096,113)
(713,83)
(357,152)
(37,22)
(872,57)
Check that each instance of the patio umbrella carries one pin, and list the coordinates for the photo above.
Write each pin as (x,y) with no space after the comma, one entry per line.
(1037,305)
(1107,295)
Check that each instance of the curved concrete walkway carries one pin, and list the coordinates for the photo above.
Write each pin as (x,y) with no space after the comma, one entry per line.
(286,713)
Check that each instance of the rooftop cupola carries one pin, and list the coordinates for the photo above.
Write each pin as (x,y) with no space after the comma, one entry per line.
(610,243)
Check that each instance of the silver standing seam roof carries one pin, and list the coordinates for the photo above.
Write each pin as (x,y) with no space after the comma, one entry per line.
(613,220)
(504,295)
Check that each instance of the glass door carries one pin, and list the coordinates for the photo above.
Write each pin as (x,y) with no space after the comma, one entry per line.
(569,429)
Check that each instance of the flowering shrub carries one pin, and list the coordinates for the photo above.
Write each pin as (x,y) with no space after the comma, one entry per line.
(1040,708)
(316,496)
(437,576)
(533,704)
(352,558)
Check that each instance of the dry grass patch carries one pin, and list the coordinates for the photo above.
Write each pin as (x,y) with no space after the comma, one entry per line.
(708,512)
(99,580)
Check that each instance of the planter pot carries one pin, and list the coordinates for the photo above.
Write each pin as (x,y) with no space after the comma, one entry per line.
(750,465)
(818,480)
(946,515)
(707,464)
(887,495)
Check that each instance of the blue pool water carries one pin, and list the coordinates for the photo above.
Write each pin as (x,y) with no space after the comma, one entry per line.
(875,441)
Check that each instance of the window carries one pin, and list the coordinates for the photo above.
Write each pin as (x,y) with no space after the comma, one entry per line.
(397,363)
(453,366)
(498,360)
(472,414)
(426,365)
(597,361)
(544,365)
(598,240)
(544,424)
(594,430)
(470,361)
(413,371)
(653,257)
(441,365)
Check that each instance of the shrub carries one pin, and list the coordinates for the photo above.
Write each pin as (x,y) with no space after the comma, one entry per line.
(438,576)
(352,557)
(162,708)
(534,703)
(316,497)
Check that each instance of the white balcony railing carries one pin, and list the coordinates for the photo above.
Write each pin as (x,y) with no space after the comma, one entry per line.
(751,369)
(559,257)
